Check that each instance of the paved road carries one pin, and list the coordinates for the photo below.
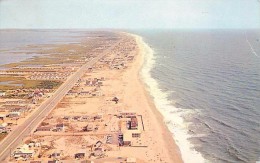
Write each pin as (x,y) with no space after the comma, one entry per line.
(16,136)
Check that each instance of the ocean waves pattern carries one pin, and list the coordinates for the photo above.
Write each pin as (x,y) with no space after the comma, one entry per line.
(211,83)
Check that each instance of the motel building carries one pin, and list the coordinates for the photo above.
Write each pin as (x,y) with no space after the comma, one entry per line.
(129,135)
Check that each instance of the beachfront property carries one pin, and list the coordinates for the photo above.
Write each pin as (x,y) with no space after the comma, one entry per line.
(2,94)
(3,127)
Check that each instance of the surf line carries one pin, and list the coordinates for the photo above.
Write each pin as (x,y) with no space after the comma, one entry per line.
(252,49)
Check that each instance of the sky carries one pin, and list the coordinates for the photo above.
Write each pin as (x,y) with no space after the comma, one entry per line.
(191,14)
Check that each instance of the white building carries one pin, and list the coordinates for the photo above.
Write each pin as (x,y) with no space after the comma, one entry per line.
(2,93)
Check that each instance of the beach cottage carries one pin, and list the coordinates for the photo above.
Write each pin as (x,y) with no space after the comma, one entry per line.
(2,94)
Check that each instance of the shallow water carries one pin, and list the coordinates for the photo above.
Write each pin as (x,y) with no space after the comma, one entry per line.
(9,83)
(14,42)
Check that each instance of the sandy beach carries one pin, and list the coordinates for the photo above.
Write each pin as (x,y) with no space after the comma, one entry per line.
(161,141)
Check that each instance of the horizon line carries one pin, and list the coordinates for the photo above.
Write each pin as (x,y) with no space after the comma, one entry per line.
(148,28)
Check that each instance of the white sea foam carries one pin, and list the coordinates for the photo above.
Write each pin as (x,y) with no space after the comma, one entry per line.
(251,47)
(172,115)
(258,160)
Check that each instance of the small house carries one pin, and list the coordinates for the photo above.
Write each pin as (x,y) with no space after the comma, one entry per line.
(14,114)
(60,127)
(85,117)
(66,118)
(84,93)
(53,161)
(23,152)
(98,151)
(2,116)
(72,93)
(76,118)
(98,116)
(2,94)
(87,128)
(80,155)
(3,127)
(56,155)
(44,128)
(87,82)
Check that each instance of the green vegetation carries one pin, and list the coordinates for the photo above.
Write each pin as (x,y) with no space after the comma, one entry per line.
(10,78)
(49,84)
(15,82)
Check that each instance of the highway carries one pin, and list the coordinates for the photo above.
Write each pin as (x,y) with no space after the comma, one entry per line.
(15,137)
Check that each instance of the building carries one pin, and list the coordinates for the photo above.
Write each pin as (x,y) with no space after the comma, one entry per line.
(23,152)
(44,128)
(87,128)
(56,155)
(98,116)
(85,117)
(129,135)
(2,94)
(127,114)
(3,127)
(136,133)
(98,151)
(53,161)
(79,155)
(60,127)
(66,118)
(14,114)
(84,93)
(133,123)
(127,139)
(76,118)
(72,93)
(2,116)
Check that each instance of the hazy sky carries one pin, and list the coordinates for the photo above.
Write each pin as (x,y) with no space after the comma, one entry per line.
(129,13)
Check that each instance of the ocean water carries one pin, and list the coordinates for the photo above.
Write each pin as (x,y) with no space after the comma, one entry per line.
(206,83)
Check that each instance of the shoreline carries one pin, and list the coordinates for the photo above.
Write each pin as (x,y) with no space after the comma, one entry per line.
(172,148)
(176,132)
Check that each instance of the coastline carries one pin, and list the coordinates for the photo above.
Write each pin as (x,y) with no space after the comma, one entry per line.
(161,107)
(172,149)
(140,85)
(155,144)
